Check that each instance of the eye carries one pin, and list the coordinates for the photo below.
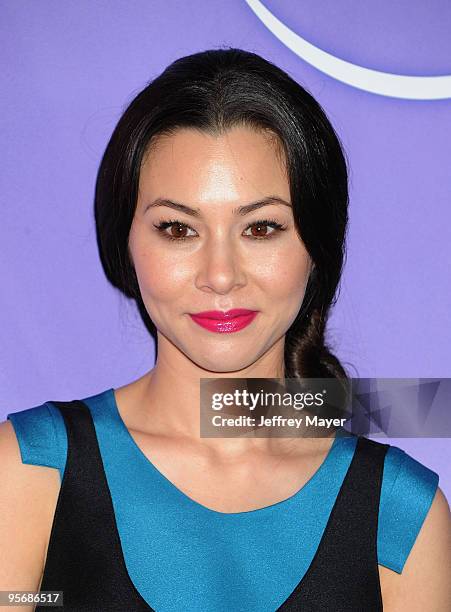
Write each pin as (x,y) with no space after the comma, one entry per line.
(178,229)
(262,225)
(178,226)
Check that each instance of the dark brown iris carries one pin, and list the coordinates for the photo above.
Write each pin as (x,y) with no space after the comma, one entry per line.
(259,227)
(179,231)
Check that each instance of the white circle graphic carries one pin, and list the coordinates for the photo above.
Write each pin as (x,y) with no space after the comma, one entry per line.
(374,81)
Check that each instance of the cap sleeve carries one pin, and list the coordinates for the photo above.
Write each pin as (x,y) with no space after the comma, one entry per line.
(41,435)
(408,489)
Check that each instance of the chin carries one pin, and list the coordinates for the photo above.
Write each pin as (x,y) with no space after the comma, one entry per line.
(231,362)
(221,364)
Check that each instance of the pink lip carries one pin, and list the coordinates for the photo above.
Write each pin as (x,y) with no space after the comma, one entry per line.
(224,322)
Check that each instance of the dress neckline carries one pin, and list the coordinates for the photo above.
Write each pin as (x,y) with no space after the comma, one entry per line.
(195,505)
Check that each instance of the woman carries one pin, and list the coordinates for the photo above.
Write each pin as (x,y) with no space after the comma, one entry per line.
(223,187)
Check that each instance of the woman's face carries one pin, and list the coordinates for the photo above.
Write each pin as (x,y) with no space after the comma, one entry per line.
(218,259)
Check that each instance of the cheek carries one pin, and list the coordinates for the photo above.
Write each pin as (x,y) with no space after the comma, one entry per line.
(160,276)
(161,272)
(284,272)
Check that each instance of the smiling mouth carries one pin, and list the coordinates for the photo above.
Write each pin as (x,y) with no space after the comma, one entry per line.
(228,322)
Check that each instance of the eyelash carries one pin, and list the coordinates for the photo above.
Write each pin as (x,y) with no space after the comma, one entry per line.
(162,225)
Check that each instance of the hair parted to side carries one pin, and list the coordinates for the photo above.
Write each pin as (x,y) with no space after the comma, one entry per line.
(213,91)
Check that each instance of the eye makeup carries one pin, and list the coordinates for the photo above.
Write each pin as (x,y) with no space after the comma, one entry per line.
(161,227)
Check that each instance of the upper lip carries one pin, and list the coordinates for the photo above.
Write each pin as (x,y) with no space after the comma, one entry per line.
(220,314)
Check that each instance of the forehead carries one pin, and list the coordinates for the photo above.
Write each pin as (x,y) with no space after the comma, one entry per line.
(241,162)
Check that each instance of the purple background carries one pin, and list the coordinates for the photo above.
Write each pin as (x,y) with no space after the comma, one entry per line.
(70,68)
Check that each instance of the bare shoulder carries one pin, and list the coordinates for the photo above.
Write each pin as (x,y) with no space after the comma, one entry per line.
(28,498)
(425,580)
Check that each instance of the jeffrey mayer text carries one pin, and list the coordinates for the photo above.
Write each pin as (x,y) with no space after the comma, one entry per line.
(276,421)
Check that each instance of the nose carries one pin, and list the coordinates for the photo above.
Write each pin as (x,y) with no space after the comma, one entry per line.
(220,267)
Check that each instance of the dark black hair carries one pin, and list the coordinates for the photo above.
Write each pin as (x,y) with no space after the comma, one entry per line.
(213,91)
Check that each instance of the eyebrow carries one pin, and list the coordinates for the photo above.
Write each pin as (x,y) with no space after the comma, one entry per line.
(196,212)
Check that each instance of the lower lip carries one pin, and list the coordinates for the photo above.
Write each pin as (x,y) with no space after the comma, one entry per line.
(225,326)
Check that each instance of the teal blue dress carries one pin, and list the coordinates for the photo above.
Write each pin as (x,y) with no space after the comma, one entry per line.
(182,555)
